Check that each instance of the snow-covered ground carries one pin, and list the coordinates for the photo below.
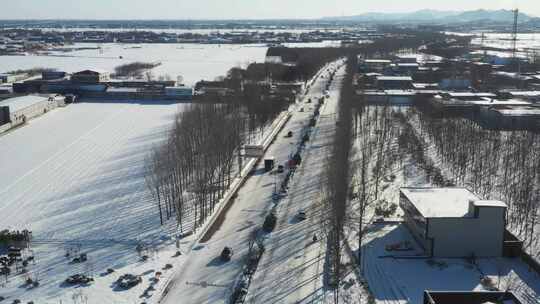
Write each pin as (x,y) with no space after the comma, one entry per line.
(74,177)
(202,277)
(394,279)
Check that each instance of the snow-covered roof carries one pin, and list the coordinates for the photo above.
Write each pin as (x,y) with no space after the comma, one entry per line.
(525,93)
(18,103)
(440,202)
(499,102)
(378,61)
(469,94)
(488,203)
(519,111)
(394,78)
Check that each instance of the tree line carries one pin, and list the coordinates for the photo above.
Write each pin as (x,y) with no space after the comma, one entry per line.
(503,165)
(192,169)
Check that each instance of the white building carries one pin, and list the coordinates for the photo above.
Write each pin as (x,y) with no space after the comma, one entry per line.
(453,222)
(19,110)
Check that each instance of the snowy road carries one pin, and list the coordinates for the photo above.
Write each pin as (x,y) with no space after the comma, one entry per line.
(292,266)
(203,278)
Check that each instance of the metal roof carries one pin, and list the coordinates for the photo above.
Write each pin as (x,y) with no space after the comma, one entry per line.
(394,78)
(18,103)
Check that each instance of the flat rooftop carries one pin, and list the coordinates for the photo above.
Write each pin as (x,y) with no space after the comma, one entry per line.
(519,111)
(394,78)
(440,202)
(18,103)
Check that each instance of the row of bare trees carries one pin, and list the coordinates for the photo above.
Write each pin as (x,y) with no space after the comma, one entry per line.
(336,181)
(494,164)
(375,159)
(189,173)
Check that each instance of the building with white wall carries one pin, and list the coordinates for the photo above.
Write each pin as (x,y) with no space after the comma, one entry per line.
(453,222)
(19,110)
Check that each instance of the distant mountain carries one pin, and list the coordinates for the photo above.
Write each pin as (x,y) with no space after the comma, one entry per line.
(437,16)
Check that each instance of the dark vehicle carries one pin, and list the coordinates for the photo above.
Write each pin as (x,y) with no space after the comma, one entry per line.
(270,222)
(226,254)
(81,258)
(70,98)
(280,169)
(128,280)
(289,134)
(268,164)
(309,100)
(78,279)
(301,215)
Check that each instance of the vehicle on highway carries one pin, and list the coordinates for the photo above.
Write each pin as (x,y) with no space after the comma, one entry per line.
(226,254)
(270,222)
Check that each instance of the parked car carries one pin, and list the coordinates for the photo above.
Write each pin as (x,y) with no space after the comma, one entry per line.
(289,134)
(280,169)
(128,280)
(226,254)
(78,279)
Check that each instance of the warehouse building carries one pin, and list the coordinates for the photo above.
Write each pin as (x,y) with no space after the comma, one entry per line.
(91,76)
(19,110)
(453,222)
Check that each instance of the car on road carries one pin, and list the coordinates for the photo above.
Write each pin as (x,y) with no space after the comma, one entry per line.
(280,169)
(270,222)
(226,254)
(301,215)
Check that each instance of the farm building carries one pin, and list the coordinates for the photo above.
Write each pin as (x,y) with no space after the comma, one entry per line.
(384,97)
(19,110)
(374,65)
(394,82)
(183,93)
(511,117)
(91,76)
(453,222)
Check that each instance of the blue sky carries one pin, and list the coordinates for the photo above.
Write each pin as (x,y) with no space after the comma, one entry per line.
(235,9)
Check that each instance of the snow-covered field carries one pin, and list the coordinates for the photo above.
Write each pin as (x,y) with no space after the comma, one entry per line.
(192,61)
(74,177)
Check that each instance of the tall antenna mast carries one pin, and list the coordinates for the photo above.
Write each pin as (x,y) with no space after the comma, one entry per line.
(514,33)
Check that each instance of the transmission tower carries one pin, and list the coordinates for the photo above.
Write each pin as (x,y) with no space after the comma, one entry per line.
(514,33)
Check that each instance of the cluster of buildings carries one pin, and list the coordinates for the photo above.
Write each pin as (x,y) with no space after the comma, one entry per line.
(96,83)
(18,40)
(478,90)
(21,101)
